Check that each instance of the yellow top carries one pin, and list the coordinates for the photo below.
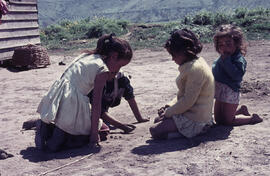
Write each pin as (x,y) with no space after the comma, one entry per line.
(195,95)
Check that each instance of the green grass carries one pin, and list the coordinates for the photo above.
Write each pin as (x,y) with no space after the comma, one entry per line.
(84,33)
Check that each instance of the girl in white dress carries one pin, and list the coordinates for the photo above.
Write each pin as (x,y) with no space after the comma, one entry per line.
(66,104)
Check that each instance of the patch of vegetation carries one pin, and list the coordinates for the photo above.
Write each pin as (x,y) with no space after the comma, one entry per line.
(64,34)
(84,33)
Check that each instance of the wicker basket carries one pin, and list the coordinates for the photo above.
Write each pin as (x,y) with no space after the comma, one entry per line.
(30,56)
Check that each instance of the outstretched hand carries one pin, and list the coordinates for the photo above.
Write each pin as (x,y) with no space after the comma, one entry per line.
(128,128)
(143,120)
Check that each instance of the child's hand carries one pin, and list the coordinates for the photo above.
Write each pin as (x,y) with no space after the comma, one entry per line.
(161,110)
(128,128)
(159,118)
(143,120)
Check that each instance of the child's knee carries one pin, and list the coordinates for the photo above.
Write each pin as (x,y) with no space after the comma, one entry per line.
(156,134)
(152,131)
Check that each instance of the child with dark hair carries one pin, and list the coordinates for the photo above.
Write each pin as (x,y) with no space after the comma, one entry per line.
(117,87)
(228,71)
(190,112)
(66,106)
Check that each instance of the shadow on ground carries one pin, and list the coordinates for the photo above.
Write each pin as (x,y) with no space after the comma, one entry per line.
(34,155)
(162,146)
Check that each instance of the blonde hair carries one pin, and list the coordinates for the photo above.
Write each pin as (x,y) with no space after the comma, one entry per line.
(235,33)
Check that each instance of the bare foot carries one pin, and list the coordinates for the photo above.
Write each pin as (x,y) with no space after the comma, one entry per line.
(128,128)
(255,118)
(243,110)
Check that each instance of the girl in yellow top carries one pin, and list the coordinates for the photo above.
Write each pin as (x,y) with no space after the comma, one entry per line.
(190,113)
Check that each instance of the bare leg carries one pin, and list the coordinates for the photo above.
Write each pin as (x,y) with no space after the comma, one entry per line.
(162,129)
(242,110)
(229,111)
(127,128)
(218,112)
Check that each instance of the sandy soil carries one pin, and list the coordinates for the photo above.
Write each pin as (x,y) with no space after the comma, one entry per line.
(243,150)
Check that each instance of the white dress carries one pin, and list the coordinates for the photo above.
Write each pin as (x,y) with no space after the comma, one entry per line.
(66,103)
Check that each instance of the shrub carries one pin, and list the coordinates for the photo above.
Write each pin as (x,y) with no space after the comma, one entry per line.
(259,12)
(255,24)
(221,18)
(57,32)
(104,26)
(203,18)
(95,31)
(240,13)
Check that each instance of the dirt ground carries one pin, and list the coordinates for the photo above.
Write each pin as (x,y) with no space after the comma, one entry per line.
(243,150)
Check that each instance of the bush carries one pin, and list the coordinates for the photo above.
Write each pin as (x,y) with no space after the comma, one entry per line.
(255,24)
(203,18)
(260,27)
(259,12)
(59,34)
(56,32)
(240,13)
(221,18)
(95,31)
(188,20)
(105,26)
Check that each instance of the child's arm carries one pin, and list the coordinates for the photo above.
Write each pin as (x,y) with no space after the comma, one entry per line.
(129,96)
(99,83)
(127,128)
(236,69)
(134,107)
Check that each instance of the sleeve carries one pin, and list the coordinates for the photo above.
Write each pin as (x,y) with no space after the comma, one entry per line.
(172,102)
(194,83)
(102,67)
(235,69)
(124,82)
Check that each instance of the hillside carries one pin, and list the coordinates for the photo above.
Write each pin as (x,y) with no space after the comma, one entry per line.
(52,11)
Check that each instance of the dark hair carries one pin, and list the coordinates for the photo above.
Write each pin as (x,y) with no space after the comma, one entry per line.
(234,32)
(184,41)
(108,43)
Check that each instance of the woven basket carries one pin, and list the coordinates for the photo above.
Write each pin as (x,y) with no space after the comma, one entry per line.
(30,56)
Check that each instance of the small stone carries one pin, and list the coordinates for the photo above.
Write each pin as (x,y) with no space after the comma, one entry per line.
(4,155)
